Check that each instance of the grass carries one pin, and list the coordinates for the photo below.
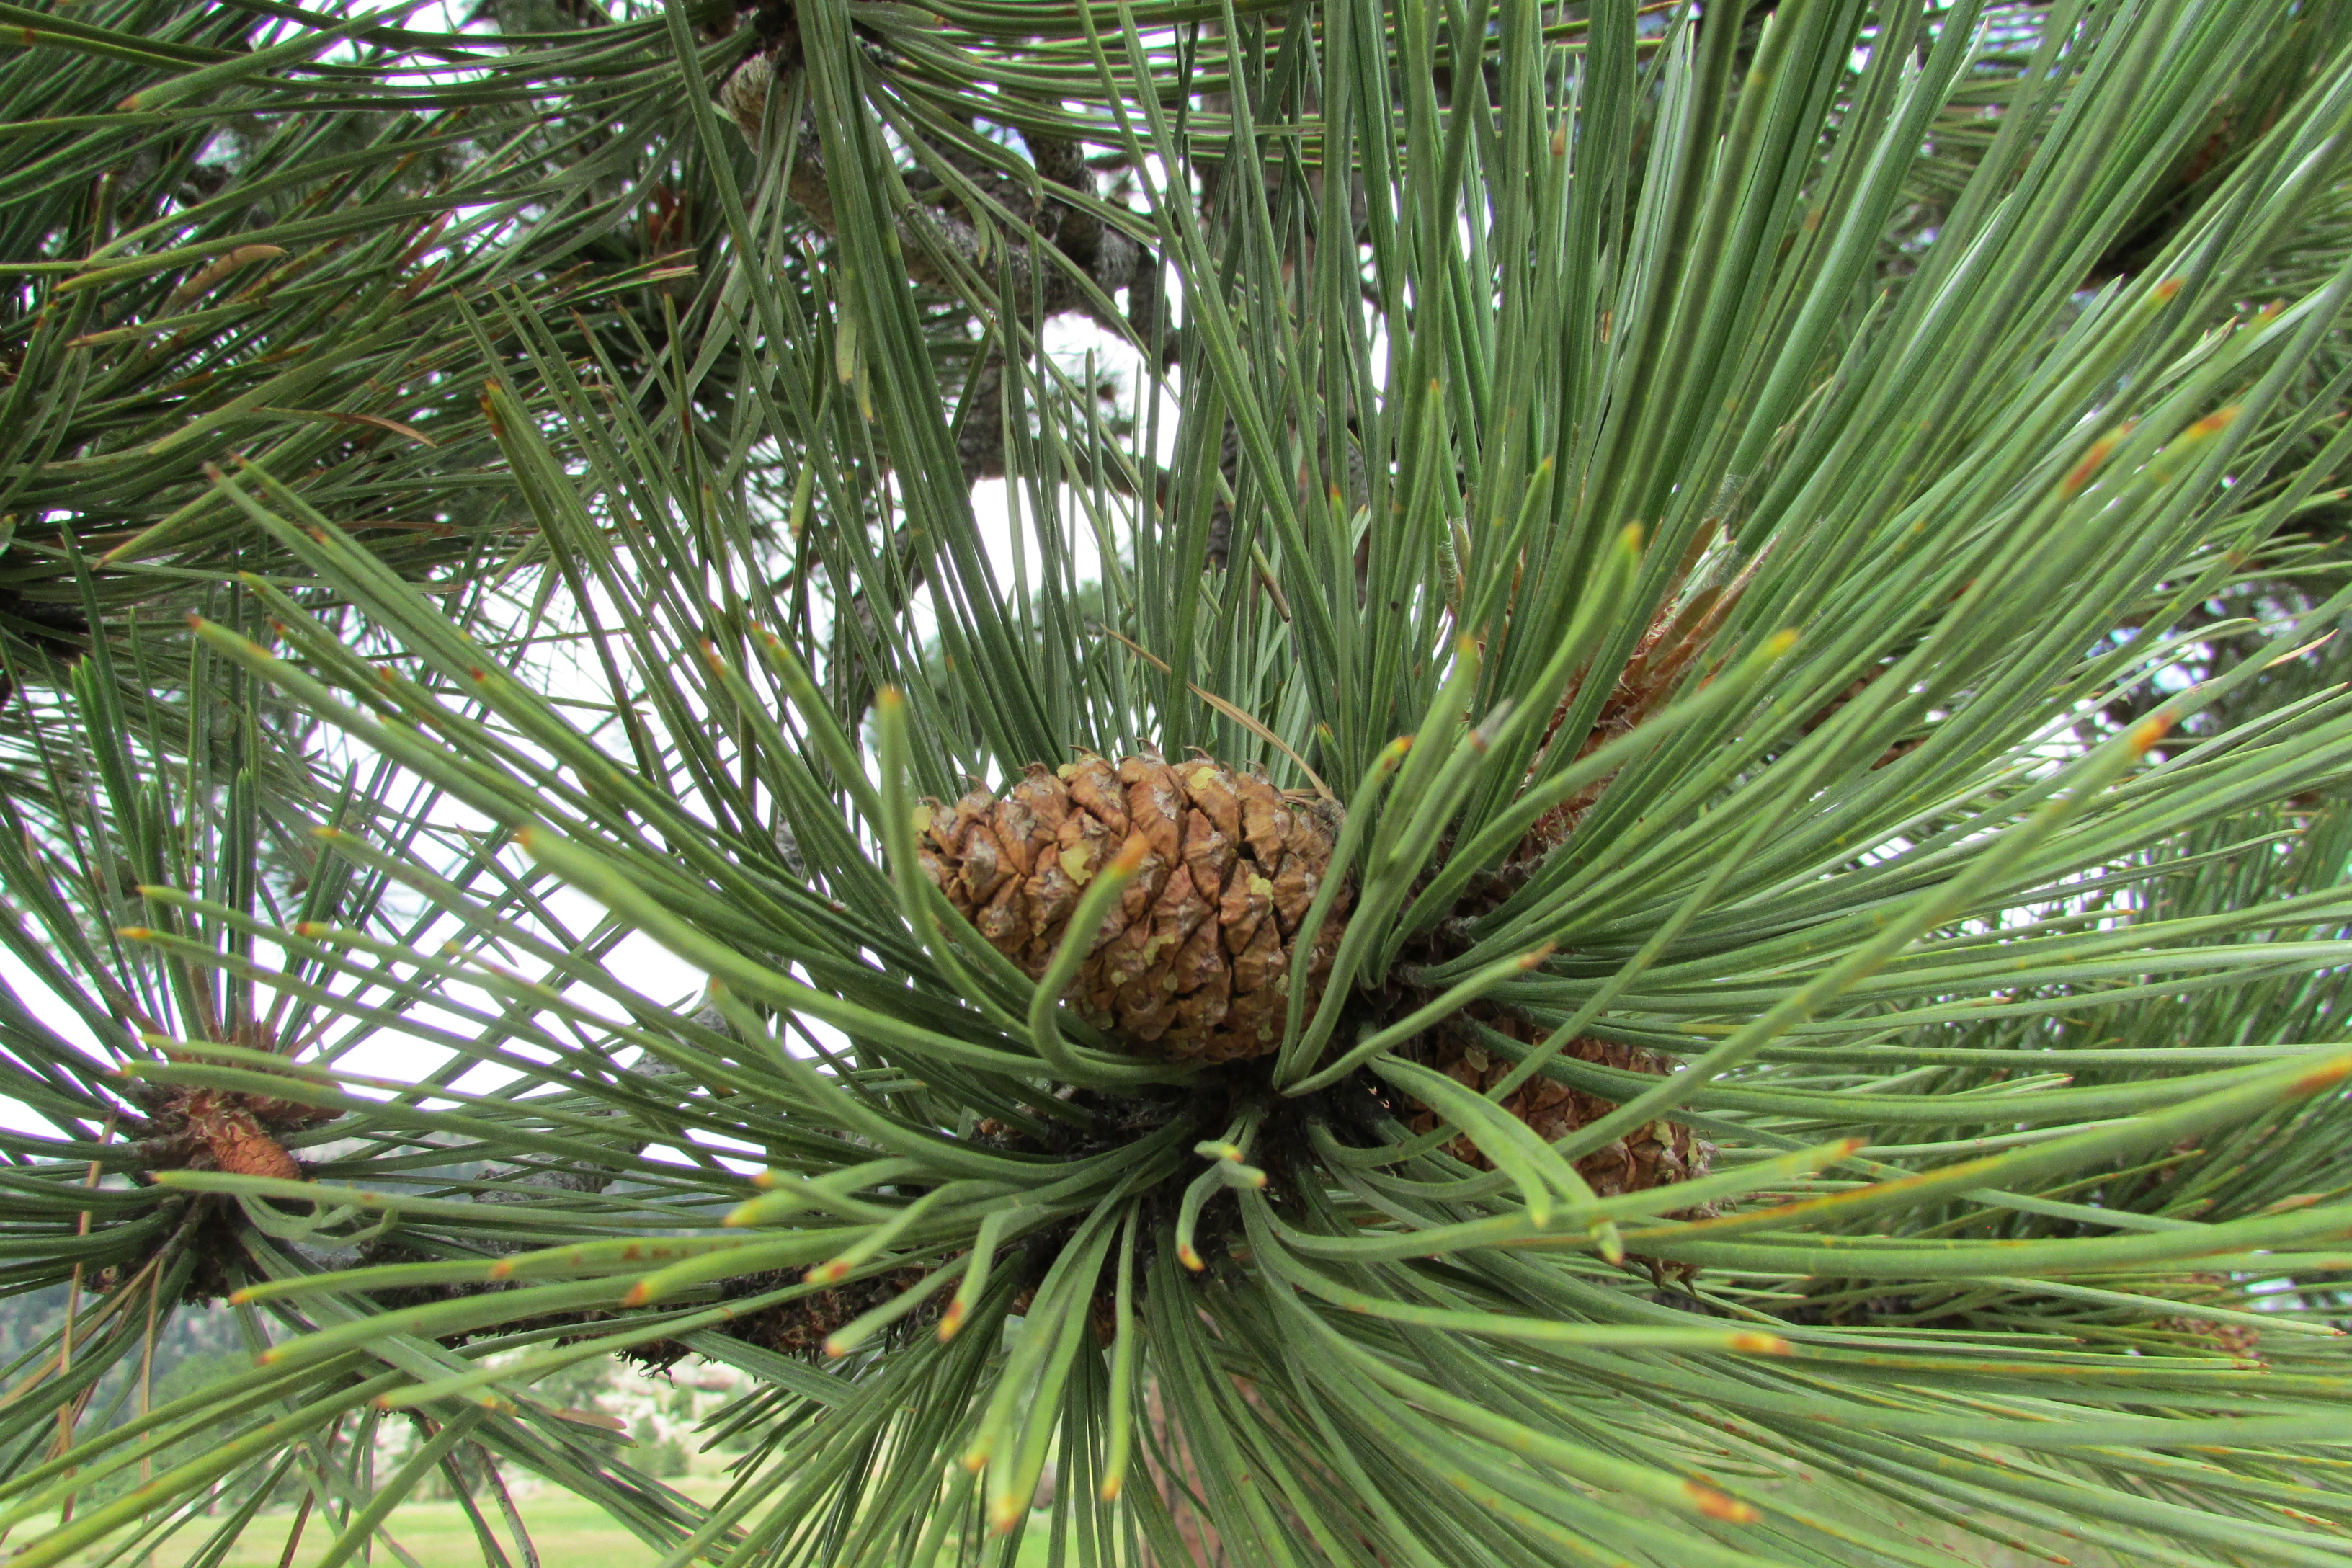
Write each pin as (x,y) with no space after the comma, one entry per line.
(566,1531)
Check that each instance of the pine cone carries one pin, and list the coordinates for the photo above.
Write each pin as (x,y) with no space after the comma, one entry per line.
(1680,635)
(1196,959)
(1654,1155)
(2237,1340)
(240,1146)
(225,1130)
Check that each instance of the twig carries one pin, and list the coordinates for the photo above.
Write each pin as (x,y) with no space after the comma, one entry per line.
(50,1367)
(457,1483)
(507,1506)
(294,1535)
(70,1411)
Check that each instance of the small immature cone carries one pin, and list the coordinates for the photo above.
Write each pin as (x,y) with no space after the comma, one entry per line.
(1197,959)
(239,1132)
(240,1147)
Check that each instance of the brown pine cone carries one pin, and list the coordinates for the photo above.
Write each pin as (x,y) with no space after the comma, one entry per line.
(1652,1156)
(1196,959)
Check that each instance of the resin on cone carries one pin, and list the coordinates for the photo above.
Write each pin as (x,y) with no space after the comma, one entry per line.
(1197,959)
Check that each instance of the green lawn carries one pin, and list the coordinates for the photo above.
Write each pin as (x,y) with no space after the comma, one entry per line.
(571,1533)
(565,1530)
(568,1532)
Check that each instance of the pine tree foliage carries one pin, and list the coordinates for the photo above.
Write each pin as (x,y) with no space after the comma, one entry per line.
(1764,572)
(224,233)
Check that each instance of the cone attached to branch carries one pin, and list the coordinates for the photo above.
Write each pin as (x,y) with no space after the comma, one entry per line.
(224,1129)
(1197,959)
